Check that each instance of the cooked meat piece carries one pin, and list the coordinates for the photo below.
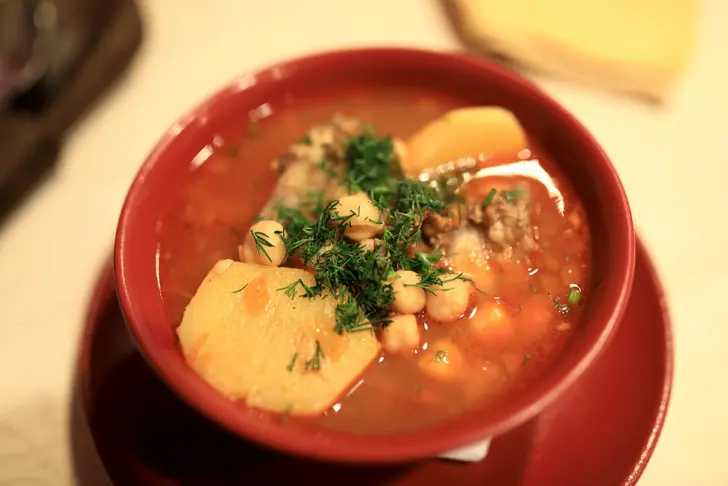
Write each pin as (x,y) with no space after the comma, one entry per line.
(507,219)
(312,165)
(436,225)
(505,222)
(321,141)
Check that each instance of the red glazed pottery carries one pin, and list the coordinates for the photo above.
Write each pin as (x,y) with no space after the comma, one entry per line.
(475,82)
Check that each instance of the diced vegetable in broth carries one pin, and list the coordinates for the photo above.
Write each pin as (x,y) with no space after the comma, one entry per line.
(472,282)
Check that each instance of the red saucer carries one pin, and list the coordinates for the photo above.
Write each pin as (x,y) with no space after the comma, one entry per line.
(602,432)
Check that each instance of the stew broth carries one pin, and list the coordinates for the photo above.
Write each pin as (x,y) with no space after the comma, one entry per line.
(398,393)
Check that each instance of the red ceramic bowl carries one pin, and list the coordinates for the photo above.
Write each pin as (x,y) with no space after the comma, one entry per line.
(476,82)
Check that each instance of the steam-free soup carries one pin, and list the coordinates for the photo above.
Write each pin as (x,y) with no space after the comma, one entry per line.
(380,262)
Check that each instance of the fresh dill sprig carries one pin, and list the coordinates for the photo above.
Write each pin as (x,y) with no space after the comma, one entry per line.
(290,289)
(237,291)
(261,242)
(372,166)
(355,277)
(350,318)
(292,363)
(314,364)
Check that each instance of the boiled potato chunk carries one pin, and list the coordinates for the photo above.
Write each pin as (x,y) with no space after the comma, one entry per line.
(464,132)
(253,342)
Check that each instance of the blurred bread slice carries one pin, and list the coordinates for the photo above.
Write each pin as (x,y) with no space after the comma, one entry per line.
(636,46)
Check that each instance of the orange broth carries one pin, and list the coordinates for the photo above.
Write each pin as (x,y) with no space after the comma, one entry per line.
(529,301)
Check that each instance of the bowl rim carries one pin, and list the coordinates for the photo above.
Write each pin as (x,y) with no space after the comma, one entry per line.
(352,448)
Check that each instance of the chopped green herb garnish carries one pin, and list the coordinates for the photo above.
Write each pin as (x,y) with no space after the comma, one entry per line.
(441,356)
(533,288)
(489,198)
(418,388)
(292,363)
(306,140)
(574,296)
(257,218)
(599,281)
(290,289)
(433,281)
(349,318)
(372,165)
(261,242)
(358,279)
(462,277)
(237,291)
(512,194)
(314,364)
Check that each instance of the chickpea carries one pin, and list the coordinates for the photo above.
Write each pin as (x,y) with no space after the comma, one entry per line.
(479,269)
(268,232)
(492,326)
(366,220)
(443,359)
(401,335)
(449,302)
(537,313)
(319,257)
(315,260)
(370,243)
(407,299)
(492,375)
(487,379)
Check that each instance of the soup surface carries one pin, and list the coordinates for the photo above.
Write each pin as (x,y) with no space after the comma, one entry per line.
(524,292)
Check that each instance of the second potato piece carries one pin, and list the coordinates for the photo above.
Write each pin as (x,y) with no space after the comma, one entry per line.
(464,132)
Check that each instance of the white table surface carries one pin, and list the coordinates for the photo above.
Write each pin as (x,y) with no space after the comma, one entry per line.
(673,161)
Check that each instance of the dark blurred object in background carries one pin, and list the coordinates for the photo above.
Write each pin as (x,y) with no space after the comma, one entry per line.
(27,28)
(56,58)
